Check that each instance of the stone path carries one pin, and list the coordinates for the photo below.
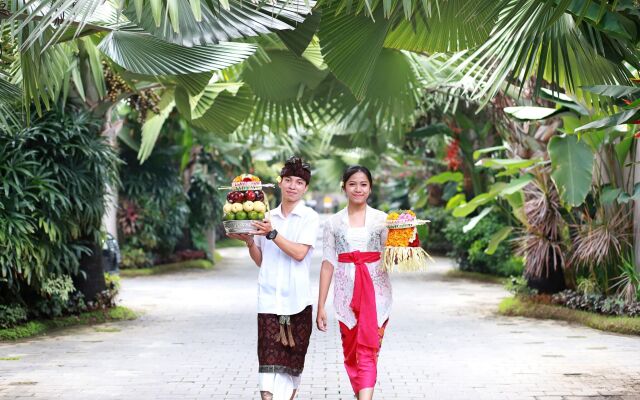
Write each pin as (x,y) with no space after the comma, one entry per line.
(196,340)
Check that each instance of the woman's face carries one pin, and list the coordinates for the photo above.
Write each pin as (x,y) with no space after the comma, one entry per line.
(357,188)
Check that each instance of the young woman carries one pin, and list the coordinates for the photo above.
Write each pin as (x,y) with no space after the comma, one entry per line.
(353,241)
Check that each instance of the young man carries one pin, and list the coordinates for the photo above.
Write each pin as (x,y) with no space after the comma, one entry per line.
(282,246)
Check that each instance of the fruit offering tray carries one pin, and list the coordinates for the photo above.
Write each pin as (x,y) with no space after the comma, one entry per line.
(246,202)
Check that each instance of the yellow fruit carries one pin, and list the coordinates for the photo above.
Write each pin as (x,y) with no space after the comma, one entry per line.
(259,206)
(227,208)
(236,207)
(247,206)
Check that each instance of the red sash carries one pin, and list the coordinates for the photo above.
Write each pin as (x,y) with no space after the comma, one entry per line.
(363,302)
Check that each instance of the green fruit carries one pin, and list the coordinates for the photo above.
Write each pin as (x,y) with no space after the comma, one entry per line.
(229,217)
(260,216)
(240,215)
(253,215)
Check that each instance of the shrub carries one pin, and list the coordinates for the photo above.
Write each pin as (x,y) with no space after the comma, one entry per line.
(12,315)
(51,208)
(154,190)
(205,204)
(468,248)
(436,241)
(598,303)
(135,258)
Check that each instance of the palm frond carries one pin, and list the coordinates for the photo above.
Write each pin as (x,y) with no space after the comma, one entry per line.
(145,54)
(534,39)
(240,19)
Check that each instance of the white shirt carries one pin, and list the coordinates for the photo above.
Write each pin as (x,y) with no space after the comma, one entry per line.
(283,283)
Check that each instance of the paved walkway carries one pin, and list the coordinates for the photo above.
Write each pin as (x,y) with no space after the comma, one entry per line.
(196,340)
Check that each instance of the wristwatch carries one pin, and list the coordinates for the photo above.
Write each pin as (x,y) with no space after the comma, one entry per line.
(272,235)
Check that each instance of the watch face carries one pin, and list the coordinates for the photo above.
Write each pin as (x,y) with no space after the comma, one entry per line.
(271,235)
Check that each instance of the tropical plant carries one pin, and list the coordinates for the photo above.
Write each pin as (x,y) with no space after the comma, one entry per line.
(52,205)
(627,283)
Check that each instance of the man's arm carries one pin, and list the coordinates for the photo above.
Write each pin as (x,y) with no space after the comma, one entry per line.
(297,251)
(254,251)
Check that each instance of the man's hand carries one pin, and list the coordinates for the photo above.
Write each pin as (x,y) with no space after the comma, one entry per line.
(262,227)
(321,319)
(245,237)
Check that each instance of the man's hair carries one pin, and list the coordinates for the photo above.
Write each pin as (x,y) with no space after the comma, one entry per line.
(294,166)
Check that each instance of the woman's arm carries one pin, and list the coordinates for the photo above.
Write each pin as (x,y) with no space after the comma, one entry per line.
(326,274)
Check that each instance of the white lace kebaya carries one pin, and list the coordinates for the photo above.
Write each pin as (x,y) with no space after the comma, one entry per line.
(339,238)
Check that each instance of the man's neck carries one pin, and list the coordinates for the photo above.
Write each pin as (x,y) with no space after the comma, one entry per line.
(287,207)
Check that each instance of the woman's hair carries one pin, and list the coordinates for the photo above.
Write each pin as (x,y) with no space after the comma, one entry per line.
(294,166)
(355,169)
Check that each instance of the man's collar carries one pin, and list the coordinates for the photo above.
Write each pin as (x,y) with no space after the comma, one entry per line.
(299,209)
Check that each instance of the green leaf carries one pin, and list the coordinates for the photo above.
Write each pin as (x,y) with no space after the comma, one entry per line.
(516,185)
(563,100)
(298,40)
(227,112)
(194,83)
(609,195)
(202,102)
(144,54)
(153,125)
(156,11)
(623,148)
(613,120)
(449,29)
(478,153)
(351,46)
(282,79)
(234,20)
(616,91)
(497,163)
(446,176)
(497,238)
(456,201)
(572,163)
(528,113)
(481,199)
(474,221)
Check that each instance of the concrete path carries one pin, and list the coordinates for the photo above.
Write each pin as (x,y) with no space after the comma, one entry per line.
(197,340)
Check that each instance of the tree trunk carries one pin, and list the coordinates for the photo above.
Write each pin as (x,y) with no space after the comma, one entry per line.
(636,206)
(211,241)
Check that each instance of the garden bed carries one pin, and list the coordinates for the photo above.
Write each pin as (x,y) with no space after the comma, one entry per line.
(518,306)
(475,276)
(40,327)
(168,268)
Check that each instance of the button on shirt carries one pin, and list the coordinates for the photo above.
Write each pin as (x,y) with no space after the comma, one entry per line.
(283,283)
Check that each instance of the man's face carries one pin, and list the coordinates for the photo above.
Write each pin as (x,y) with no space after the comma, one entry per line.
(292,188)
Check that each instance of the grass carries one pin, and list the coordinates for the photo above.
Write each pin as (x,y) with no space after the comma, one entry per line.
(475,276)
(228,242)
(39,327)
(167,268)
(514,306)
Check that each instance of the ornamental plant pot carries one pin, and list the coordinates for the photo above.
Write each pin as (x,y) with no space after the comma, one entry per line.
(550,283)
(90,281)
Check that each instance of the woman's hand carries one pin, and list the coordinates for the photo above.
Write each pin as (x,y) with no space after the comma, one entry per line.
(321,319)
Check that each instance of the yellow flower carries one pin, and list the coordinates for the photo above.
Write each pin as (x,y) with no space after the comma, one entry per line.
(399,237)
